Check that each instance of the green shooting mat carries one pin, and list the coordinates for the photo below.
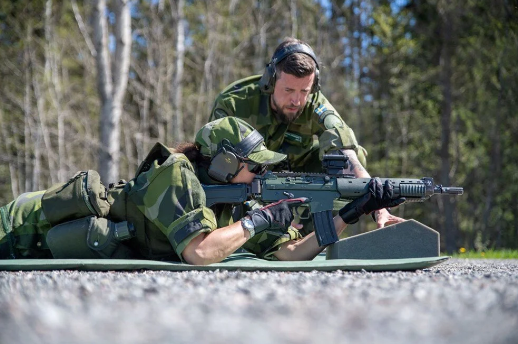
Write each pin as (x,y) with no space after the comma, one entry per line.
(238,261)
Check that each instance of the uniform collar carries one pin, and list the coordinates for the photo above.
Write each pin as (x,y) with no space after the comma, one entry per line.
(265,111)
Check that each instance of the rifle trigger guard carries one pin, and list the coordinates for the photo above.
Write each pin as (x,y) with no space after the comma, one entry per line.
(299,213)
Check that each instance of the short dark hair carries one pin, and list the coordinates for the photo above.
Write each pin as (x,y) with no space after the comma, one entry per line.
(297,64)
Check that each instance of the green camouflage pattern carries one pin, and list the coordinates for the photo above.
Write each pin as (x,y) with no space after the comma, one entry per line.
(172,201)
(165,203)
(169,199)
(318,130)
(191,217)
(234,130)
(25,219)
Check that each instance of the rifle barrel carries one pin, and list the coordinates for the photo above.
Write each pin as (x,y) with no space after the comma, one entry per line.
(451,190)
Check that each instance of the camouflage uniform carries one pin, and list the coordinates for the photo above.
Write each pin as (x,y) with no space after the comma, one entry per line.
(23,228)
(318,130)
(165,202)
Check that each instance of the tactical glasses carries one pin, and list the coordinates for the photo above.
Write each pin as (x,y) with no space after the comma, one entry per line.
(257,168)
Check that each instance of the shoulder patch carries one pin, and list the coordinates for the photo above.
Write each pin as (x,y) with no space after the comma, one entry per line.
(320,110)
(323,115)
(331,120)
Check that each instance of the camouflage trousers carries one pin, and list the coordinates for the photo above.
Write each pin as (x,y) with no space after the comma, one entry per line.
(23,228)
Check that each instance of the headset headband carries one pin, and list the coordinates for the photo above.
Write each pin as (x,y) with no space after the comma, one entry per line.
(267,81)
(247,145)
(292,49)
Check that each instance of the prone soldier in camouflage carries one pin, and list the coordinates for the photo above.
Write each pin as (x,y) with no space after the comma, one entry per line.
(164,203)
(286,106)
(161,213)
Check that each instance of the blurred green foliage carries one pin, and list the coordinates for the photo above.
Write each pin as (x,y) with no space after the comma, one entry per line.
(488,254)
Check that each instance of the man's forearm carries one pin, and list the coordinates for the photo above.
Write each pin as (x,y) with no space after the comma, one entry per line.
(215,246)
(355,167)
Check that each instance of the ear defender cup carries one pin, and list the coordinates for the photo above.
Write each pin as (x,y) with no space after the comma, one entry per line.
(267,81)
(225,163)
(224,166)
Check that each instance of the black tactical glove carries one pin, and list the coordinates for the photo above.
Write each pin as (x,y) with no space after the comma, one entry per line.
(379,196)
(275,216)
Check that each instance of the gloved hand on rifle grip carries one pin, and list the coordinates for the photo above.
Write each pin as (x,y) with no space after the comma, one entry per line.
(379,196)
(276,215)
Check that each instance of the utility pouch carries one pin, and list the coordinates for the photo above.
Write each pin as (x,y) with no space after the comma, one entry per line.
(88,238)
(83,195)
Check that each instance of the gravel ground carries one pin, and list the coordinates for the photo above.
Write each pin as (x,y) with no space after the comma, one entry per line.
(468,301)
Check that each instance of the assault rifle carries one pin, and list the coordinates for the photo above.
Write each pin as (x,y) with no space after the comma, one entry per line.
(321,189)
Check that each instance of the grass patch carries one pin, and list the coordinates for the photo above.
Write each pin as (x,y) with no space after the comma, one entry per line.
(489,254)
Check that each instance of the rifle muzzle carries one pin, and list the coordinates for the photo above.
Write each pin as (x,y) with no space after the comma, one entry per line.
(450,190)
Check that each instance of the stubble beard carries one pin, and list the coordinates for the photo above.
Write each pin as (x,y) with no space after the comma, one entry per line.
(283,117)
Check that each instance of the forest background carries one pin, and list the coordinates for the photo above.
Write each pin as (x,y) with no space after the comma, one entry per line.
(429,87)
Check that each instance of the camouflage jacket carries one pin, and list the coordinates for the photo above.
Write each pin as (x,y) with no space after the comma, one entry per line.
(172,200)
(166,204)
(315,132)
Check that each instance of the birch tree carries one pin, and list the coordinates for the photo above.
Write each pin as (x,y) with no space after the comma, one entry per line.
(152,87)
(52,68)
(112,79)
(177,87)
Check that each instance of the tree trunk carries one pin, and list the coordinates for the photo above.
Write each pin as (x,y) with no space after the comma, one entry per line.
(82,28)
(177,87)
(294,18)
(206,95)
(52,63)
(6,151)
(111,91)
(142,137)
(39,132)
(446,53)
(494,171)
(262,25)
(27,111)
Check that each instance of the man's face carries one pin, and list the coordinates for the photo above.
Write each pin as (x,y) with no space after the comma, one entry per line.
(290,96)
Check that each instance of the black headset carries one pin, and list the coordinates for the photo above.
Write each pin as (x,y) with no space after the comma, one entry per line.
(267,81)
(224,165)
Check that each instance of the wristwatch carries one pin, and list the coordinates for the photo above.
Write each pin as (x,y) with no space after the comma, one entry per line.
(247,224)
